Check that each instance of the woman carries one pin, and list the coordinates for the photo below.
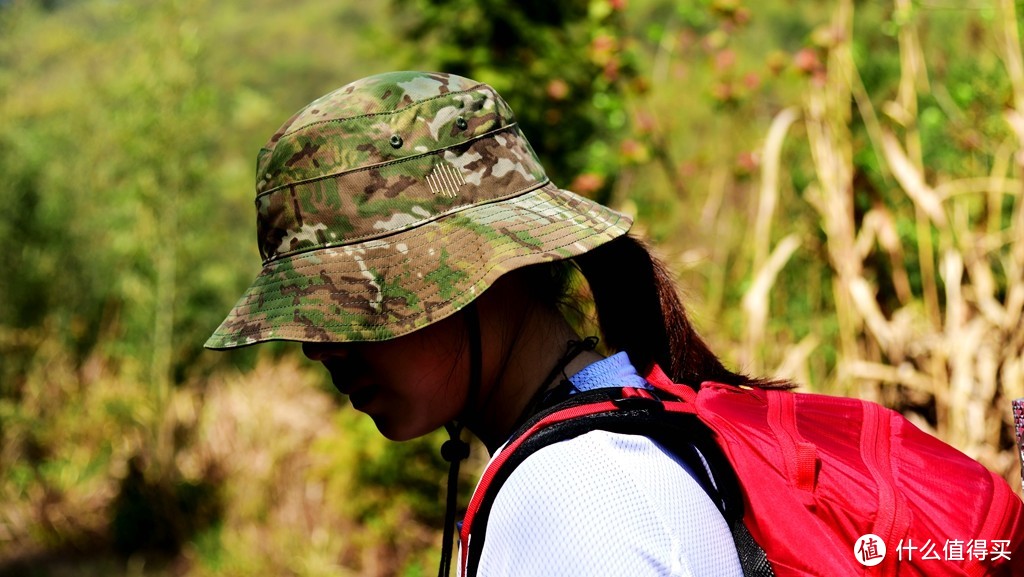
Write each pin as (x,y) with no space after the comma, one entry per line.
(413,244)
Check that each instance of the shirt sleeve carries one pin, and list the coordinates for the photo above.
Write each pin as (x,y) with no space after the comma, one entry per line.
(605,504)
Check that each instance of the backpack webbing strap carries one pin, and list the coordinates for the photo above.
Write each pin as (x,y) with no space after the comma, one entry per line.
(679,431)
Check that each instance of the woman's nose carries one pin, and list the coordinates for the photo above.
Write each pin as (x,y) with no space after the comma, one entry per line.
(321,351)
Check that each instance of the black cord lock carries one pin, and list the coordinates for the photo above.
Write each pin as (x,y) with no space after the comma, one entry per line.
(454,450)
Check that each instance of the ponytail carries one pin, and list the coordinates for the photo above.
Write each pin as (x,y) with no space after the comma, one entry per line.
(639,312)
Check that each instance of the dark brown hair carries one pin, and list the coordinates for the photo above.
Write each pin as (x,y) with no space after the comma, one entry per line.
(639,312)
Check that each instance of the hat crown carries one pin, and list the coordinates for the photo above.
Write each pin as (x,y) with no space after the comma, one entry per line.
(384,154)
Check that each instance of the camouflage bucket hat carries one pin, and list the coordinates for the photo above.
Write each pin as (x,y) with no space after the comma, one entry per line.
(392,203)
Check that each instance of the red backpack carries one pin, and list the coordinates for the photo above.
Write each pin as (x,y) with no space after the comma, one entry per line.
(809,484)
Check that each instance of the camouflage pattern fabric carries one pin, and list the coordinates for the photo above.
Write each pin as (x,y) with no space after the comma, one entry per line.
(393,202)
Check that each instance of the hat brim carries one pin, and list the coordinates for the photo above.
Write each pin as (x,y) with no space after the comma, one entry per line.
(386,287)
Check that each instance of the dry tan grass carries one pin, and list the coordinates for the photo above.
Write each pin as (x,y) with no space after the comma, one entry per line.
(959,344)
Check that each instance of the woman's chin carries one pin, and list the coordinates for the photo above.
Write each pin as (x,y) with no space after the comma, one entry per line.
(396,431)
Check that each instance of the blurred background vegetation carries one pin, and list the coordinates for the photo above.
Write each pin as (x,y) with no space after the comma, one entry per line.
(836,183)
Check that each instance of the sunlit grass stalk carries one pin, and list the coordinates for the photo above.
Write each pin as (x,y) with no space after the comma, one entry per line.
(766,269)
(826,119)
(755,301)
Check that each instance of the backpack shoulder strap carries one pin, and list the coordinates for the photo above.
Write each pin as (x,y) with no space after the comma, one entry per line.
(631,411)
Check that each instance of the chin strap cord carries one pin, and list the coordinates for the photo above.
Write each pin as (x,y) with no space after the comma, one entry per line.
(455,450)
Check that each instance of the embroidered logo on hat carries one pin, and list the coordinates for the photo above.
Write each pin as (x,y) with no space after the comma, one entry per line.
(445,179)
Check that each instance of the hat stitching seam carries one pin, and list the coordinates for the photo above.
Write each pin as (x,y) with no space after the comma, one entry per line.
(535,205)
(369,114)
(553,211)
(413,226)
(508,247)
(476,251)
(473,140)
(427,308)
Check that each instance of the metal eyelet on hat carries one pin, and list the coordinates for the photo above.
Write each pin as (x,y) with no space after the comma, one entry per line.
(461,123)
(396,141)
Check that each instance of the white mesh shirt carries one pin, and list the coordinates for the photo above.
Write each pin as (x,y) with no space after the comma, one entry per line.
(605,504)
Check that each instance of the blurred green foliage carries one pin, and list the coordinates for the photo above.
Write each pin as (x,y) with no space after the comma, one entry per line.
(127,137)
(566,69)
